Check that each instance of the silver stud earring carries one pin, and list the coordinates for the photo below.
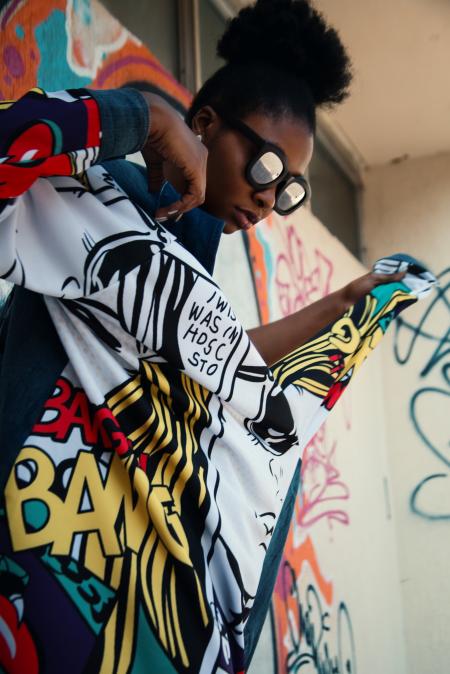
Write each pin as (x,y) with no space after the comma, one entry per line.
(200,137)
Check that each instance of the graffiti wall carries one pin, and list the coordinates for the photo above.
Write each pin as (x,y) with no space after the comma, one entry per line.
(336,606)
(416,372)
(336,598)
(73,43)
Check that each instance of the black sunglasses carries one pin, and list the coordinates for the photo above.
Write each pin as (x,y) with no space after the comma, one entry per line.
(269,166)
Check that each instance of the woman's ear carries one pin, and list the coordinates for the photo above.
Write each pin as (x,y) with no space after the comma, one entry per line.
(206,123)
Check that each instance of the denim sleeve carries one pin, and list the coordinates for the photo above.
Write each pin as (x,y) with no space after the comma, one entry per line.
(125,121)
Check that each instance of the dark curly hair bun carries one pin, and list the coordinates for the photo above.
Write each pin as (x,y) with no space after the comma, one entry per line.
(292,36)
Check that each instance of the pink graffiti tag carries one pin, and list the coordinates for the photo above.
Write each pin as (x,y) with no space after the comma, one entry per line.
(321,486)
(299,282)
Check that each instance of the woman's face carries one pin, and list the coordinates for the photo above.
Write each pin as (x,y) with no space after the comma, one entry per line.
(228,194)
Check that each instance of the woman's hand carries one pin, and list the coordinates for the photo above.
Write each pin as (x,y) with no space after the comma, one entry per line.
(171,140)
(361,286)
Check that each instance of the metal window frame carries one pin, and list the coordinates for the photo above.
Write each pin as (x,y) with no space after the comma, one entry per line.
(190,71)
(343,151)
(189,59)
(350,162)
(225,8)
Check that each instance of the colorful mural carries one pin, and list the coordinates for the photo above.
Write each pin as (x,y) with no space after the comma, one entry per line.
(323,491)
(298,280)
(313,631)
(72,44)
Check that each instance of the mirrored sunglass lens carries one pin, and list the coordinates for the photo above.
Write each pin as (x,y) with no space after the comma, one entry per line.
(292,195)
(267,168)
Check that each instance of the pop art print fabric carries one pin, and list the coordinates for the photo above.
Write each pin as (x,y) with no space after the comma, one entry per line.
(138,512)
(45,134)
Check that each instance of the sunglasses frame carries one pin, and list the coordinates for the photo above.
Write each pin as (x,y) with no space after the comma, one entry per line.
(265,146)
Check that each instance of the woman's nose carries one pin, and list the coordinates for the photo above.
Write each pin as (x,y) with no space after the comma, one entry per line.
(265,199)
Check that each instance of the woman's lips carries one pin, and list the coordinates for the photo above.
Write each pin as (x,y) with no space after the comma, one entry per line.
(245,219)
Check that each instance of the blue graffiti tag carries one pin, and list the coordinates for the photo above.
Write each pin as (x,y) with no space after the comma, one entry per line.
(429,397)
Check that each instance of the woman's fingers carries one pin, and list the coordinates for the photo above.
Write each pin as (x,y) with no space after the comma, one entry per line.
(155,171)
(173,141)
(194,194)
(388,278)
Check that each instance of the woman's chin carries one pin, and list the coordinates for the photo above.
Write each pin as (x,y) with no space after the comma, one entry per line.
(230,228)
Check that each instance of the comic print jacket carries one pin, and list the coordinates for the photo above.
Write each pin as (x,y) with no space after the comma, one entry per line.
(141,504)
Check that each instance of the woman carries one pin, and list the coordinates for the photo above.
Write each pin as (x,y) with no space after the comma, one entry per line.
(155,454)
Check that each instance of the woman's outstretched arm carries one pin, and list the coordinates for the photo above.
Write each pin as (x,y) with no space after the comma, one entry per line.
(275,340)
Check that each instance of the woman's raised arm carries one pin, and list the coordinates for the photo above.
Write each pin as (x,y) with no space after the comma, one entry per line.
(275,340)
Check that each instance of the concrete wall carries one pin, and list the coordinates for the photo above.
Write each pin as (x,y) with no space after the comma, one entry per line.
(407,207)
